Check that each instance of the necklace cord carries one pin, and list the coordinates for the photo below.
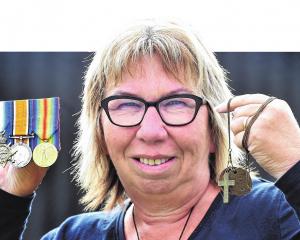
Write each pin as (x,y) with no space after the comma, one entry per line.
(183,229)
(229,134)
(186,222)
(252,120)
(136,231)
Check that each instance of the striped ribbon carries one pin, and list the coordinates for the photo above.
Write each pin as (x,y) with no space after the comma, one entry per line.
(21,116)
(6,118)
(44,121)
(38,116)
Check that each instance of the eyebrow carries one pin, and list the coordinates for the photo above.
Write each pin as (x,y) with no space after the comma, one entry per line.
(176,91)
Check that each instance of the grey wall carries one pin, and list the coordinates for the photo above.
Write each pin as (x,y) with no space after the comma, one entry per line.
(37,75)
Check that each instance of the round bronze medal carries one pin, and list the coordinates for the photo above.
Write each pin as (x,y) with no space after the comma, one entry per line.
(243,183)
(21,154)
(45,154)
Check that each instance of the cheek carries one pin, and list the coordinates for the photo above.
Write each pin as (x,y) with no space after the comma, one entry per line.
(116,138)
(195,143)
(195,140)
(198,134)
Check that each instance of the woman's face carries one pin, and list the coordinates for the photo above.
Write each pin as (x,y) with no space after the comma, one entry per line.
(186,148)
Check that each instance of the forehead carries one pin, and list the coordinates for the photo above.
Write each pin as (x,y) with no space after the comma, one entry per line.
(148,74)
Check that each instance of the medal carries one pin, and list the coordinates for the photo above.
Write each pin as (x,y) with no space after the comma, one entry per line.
(20,149)
(31,124)
(45,126)
(5,150)
(5,154)
(242,179)
(21,154)
(45,154)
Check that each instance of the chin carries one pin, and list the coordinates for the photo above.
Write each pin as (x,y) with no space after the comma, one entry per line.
(157,188)
(154,187)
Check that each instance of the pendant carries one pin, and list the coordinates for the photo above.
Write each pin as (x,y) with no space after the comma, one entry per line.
(45,154)
(21,154)
(242,179)
(226,183)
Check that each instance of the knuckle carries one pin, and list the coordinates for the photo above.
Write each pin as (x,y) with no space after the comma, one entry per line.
(260,96)
(235,112)
(277,109)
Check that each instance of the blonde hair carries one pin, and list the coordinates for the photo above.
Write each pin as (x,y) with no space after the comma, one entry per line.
(178,48)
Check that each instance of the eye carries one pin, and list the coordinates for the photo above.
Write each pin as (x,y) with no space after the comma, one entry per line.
(175,102)
(125,105)
(128,105)
(177,105)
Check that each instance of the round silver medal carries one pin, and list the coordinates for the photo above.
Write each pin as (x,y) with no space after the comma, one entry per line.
(22,154)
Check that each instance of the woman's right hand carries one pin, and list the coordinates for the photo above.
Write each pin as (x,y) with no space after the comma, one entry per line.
(21,181)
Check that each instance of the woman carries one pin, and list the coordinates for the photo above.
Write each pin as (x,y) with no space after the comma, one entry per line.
(153,144)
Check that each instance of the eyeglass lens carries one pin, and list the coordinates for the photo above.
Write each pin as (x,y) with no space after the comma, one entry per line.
(176,111)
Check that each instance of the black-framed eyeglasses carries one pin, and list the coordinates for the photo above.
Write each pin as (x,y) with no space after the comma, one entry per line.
(174,110)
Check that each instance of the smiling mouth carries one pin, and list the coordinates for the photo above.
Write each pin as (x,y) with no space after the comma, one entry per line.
(153,162)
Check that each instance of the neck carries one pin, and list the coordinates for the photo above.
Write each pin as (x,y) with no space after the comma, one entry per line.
(159,219)
(182,232)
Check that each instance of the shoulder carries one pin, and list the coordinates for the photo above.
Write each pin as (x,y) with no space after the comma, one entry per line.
(263,190)
(88,225)
(261,214)
(264,197)
(266,210)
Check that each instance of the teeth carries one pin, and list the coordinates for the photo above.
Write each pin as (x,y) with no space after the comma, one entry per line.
(153,162)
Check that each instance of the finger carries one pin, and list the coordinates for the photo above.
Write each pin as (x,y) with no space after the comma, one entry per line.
(241,100)
(245,111)
(238,138)
(240,124)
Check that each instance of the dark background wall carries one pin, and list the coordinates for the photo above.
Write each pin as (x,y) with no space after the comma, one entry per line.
(38,75)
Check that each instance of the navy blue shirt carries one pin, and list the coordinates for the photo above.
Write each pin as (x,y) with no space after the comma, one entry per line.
(268,212)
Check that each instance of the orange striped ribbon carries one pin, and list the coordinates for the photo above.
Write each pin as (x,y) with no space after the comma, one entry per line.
(21,112)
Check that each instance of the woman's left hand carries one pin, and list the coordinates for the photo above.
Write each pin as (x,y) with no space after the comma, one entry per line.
(274,139)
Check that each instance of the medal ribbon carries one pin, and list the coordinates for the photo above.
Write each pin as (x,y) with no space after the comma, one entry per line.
(6,116)
(21,115)
(44,121)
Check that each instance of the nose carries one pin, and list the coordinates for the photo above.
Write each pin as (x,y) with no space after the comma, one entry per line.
(152,128)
